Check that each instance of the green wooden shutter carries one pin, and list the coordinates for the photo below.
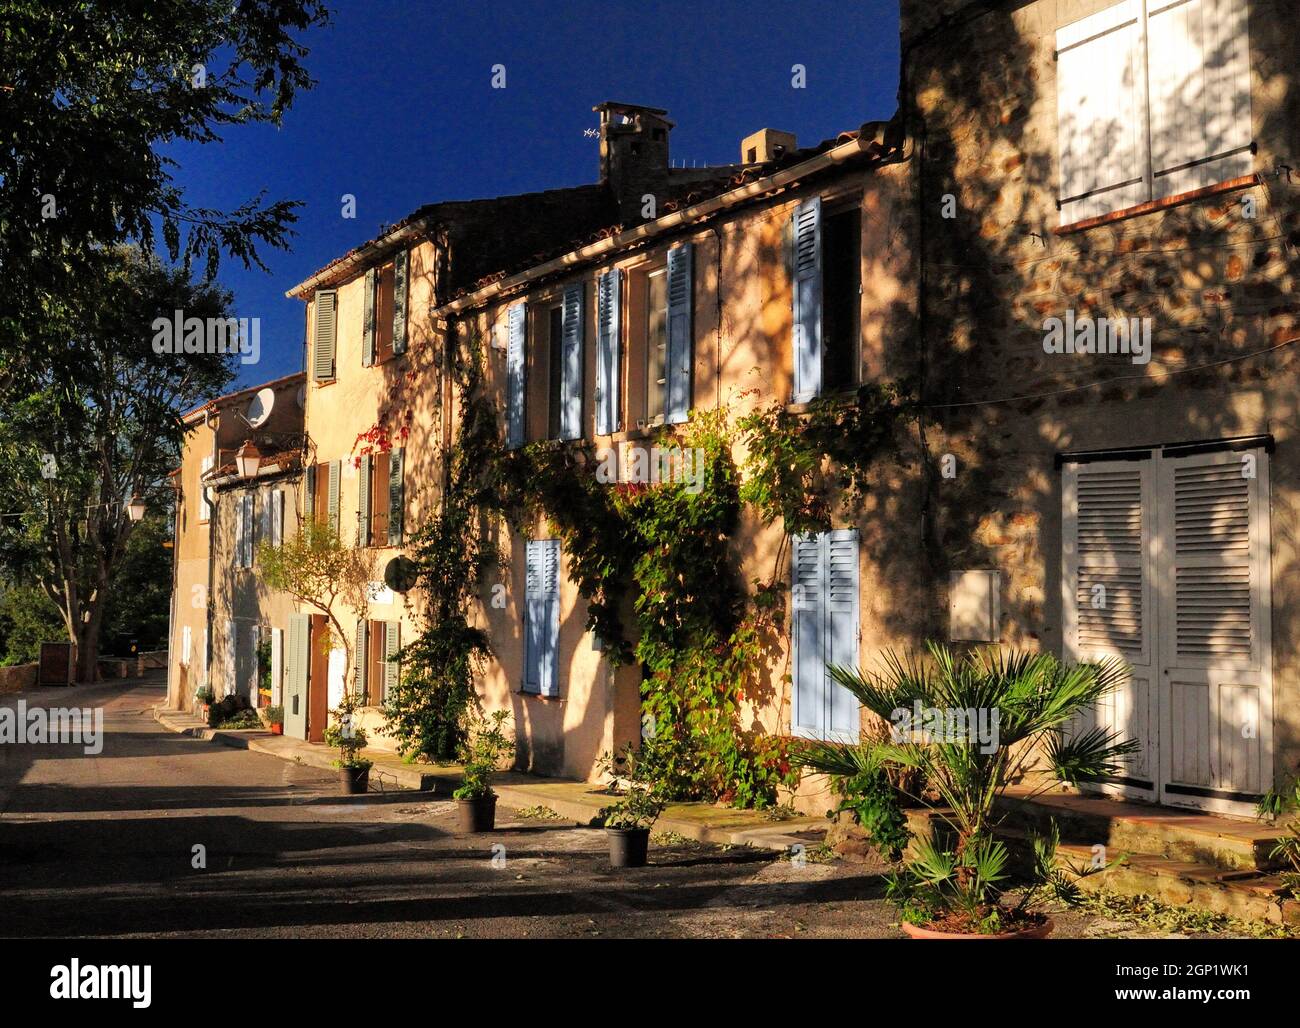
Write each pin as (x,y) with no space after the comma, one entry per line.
(335,470)
(324,335)
(396,497)
(399,302)
(363,503)
(359,661)
(807,292)
(680,332)
(572,318)
(368,333)
(392,644)
(309,492)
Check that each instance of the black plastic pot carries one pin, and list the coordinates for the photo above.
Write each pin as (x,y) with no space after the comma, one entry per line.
(355,780)
(478,814)
(627,846)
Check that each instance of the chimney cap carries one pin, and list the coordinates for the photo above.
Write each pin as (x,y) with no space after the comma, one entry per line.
(614,105)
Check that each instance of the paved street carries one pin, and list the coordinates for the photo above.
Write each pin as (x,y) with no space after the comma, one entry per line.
(103,846)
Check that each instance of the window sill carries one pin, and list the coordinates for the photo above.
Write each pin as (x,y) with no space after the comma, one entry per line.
(1152,206)
(841,397)
(528,695)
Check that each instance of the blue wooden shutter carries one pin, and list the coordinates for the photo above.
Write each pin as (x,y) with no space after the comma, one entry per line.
(807,635)
(399,302)
(677,396)
(806,258)
(608,351)
(515,386)
(392,644)
(542,617)
(571,370)
(840,550)
(359,658)
(396,497)
(368,333)
(333,498)
(363,503)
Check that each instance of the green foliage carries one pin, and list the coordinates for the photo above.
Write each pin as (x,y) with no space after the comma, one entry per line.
(344,733)
(138,608)
(485,746)
(642,801)
(875,803)
(1279,803)
(275,715)
(1034,696)
(27,619)
(787,476)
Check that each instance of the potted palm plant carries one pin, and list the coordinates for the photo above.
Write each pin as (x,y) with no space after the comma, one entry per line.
(350,738)
(484,748)
(628,822)
(957,884)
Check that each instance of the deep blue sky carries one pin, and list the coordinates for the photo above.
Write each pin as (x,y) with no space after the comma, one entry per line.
(403,112)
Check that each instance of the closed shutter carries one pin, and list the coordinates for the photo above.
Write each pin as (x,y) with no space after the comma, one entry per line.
(806,259)
(360,655)
(392,646)
(677,395)
(1109,597)
(1200,93)
(808,638)
(516,327)
(265,516)
(333,497)
(396,497)
(1101,113)
(571,314)
(277,667)
(542,617)
(297,664)
(609,356)
(277,517)
(368,326)
(250,528)
(323,335)
(363,503)
(239,532)
(841,592)
(399,302)
(824,632)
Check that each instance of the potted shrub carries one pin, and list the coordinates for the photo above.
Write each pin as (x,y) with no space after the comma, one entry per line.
(275,719)
(628,822)
(1277,804)
(957,885)
(350,738)
(203,697)
(484,748)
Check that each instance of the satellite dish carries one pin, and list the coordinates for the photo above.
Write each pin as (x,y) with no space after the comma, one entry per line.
(400,574)
(259,409)
(302,397)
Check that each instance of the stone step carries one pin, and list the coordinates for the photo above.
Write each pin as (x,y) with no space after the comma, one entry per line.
(1229,844)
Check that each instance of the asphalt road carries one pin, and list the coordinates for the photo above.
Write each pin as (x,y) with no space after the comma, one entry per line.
(105,846)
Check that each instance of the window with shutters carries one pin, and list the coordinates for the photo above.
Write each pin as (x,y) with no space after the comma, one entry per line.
(541,617)
(824,633)
(320,501)
(377,494)
(383,322)
(1153,100)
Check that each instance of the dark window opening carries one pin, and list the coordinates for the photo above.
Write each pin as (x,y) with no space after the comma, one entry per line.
(321,499)
(841,298)
(555,352)
(751,155)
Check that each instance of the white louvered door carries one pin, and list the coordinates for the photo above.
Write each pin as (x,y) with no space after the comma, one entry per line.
(1216,677)
(1109,600)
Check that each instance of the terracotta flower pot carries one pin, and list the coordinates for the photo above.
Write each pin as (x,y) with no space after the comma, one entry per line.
(277,728)
(1041,931)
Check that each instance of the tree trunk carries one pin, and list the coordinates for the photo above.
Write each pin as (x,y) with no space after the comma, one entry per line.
(88,648)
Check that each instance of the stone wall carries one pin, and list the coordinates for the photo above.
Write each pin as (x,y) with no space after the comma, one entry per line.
(18,677)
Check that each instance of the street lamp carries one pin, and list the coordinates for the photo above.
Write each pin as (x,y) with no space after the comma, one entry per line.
(248,460)
(135,508)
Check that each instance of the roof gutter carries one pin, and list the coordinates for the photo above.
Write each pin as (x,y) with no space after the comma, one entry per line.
(741,194)
(360,256)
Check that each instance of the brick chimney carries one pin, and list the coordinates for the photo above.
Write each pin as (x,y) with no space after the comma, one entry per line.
(766,145)
(633,153)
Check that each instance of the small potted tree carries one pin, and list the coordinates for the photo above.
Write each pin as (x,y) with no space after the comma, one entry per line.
(484,748)
(203,697)
(275,719)
(350,738)
(628,822)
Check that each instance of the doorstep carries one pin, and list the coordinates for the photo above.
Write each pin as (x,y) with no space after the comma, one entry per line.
(579,802)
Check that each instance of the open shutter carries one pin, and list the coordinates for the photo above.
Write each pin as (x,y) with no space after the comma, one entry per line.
(840,548)
(609,347)
(239,532)
(396,497)
(309,492)
(571,371)
(368,328)
(324,335)
(806,260)
(333,499)
(277,666)
(392,645)
(807,633)
(542,617)
(516,328)
(231,681)
(1101,113)
(363,503)
(1108,527)
(266,517)
(255,664)
(677,396)
(1200,93)
(246,505)
(276,534)
(359,659)
(399,302)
